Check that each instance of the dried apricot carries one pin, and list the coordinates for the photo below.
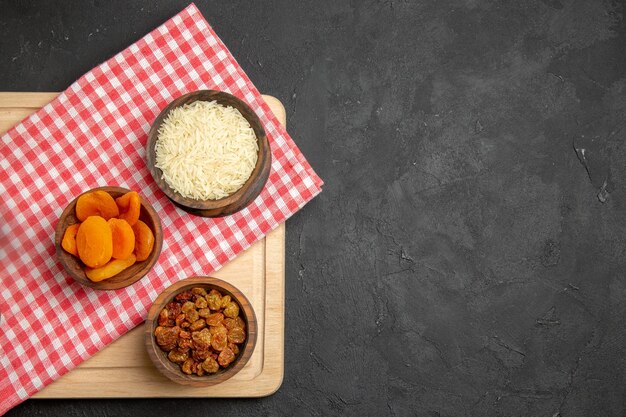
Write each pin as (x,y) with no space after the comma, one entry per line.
(96,203)
(94,242)
(129,206)
(144,240)
(69,239)
(123,238)
(110,269)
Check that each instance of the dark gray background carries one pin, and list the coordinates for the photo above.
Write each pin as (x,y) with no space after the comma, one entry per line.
(459,261)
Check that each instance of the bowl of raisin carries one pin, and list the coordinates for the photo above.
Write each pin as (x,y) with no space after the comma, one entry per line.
(200,331)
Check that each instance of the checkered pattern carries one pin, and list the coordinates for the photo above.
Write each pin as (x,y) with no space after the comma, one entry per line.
(94,134)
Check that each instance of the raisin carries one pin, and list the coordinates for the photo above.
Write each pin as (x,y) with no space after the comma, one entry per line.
(201,339)
(210,365)
(215,319)
(199,290)
(186,366)
(194,367)
(214,299)
(240,323)
(225,301)
(167,337)
(219,341)
(226,357)
(192,315)
(236,335)
(197,325)
(231,310)
(187,307)
(200,354)
(184,344)
(177,356)
(201,303)
(184,296)
(229,323)
(218,329)
(234,348)
(174,308)
(164,317)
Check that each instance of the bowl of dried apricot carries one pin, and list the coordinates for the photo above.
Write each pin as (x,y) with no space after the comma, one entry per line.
(200,331)
(108,238)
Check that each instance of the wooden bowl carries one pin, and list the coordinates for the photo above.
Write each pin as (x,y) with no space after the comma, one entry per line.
(75,267)
(172,370)
(252,187)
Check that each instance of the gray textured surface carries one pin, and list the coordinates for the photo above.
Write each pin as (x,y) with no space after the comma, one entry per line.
(458,262)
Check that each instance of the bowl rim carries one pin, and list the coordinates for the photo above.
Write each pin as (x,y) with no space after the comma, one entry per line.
(170,369)
(257,174)
(63,257)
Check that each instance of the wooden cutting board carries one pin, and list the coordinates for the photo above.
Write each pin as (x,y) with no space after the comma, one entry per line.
(123,369)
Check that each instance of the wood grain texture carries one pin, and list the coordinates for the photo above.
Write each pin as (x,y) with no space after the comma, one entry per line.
(258,271)
(26,100)
(75,268)
(252,187)
(171,370)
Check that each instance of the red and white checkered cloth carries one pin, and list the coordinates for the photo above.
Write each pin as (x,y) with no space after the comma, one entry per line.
(94,134)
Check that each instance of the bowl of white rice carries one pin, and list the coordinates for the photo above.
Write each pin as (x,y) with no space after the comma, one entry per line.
(208,152)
